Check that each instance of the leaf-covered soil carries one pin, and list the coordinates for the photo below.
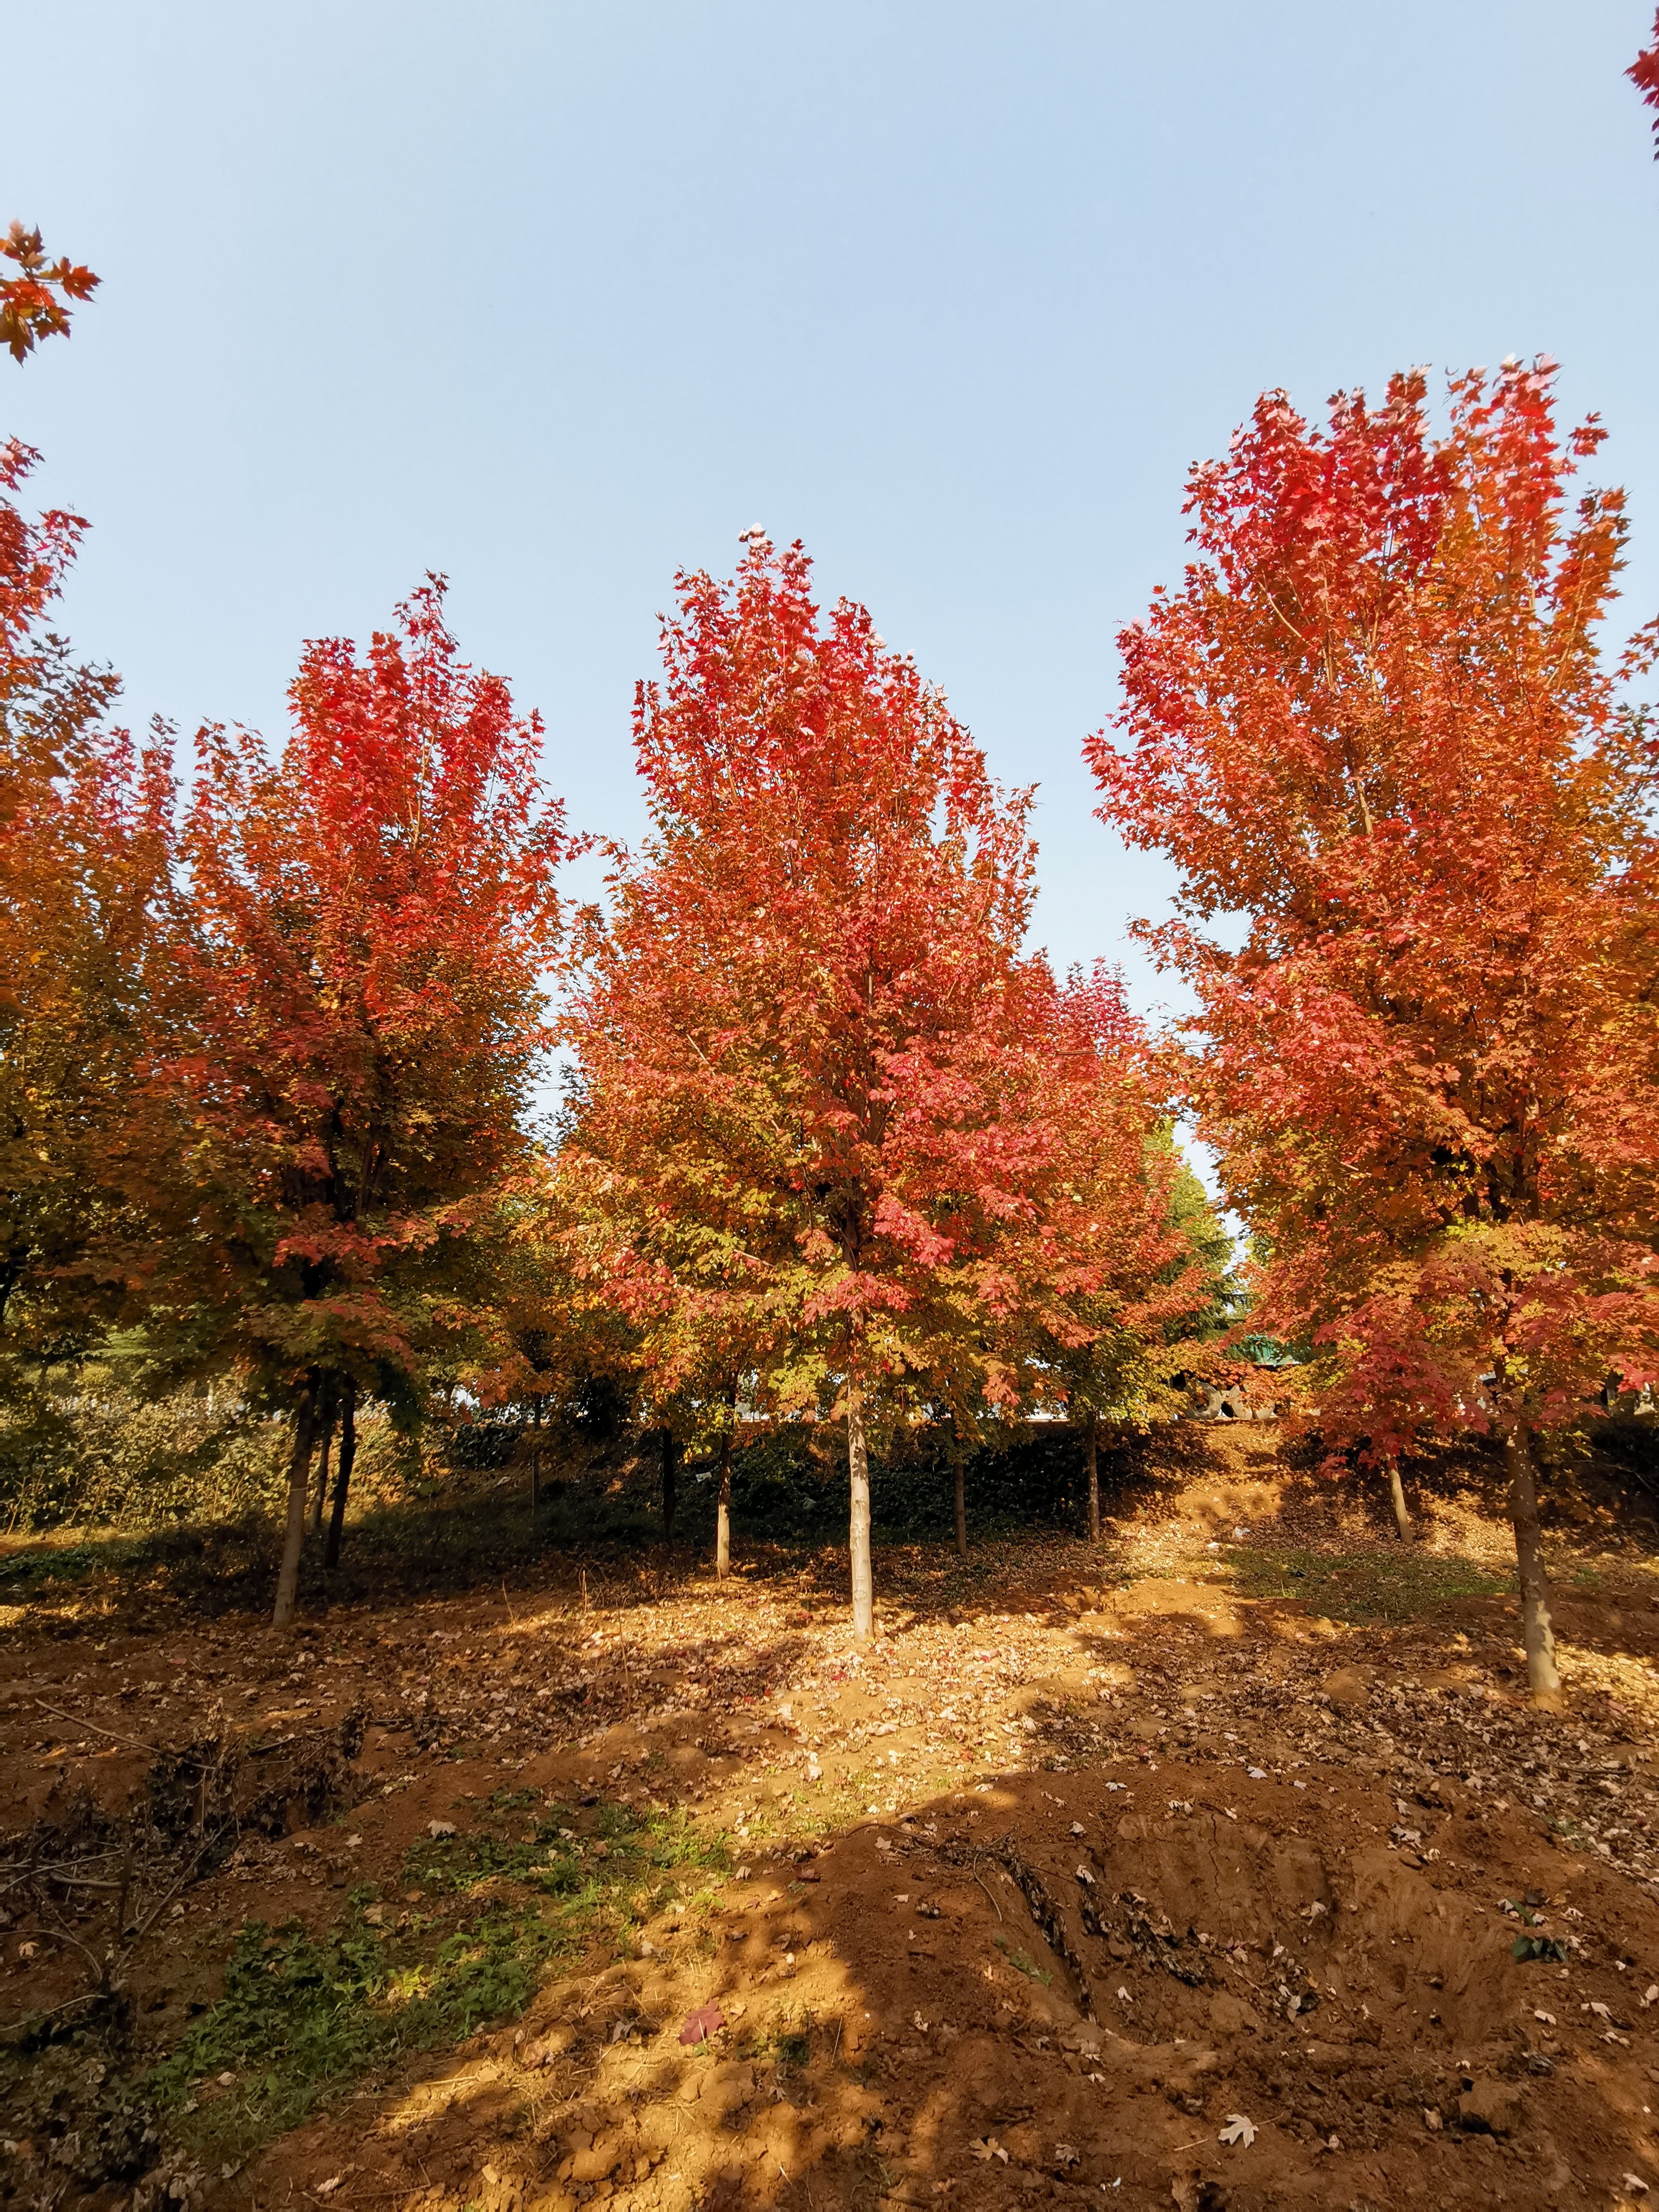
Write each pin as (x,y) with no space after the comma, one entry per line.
(1220,1865)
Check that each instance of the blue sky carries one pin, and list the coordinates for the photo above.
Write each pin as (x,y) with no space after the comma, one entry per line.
(557,299)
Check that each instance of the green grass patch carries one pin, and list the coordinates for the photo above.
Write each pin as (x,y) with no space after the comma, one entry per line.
(303,2016)
(1365,1585)
(27,1571)
(621,1851)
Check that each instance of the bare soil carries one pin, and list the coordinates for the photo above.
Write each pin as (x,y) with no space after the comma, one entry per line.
(1125,1876)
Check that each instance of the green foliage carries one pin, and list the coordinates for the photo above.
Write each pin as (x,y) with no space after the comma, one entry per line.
(109,1444)
(788,1489)
(1546,1947)
(1208,1242)
(90,1448)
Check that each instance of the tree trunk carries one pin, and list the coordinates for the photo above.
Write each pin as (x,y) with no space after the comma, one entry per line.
(1092,1463)
(668,1472)
(1397,1499)
(294,1537)
(961,1499)
(723,1513)
(858,1470)
(343,1477)
(1539,1637)
(535,1466)
(326,1402)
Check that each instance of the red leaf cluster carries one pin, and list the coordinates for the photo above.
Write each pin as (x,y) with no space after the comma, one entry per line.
(34,304)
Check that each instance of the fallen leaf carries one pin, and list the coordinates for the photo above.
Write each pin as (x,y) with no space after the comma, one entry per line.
(985,2147)
(1238,2129)
(1548,2018)
(437,1828)
(701,2024)
(1065,2154)
(327,2188)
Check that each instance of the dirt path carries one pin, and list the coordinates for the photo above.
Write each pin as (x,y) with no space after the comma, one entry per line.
(1128,1877)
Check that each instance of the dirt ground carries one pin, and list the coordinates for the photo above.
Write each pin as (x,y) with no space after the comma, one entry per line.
(1122,1876)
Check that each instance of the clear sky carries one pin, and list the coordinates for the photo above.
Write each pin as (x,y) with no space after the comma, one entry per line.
(556,299)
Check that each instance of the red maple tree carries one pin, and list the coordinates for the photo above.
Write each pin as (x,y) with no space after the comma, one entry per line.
(823,1094)
(357,1019)
(1374,722)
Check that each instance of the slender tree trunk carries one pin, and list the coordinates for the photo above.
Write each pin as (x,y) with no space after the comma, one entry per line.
(959,1487)
(326,1406)
(299,1474)
(668,1472)
(1542,1679)
(535,1466)
(1091,1465)
(342,1477)
(723,1513)
(858,1471)
(1397,1499)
